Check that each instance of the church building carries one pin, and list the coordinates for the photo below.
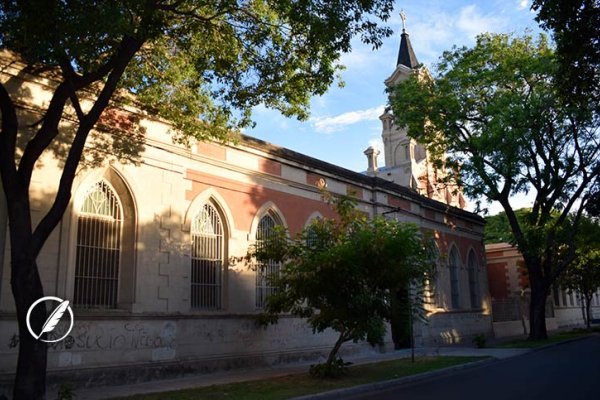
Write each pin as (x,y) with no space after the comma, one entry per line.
(144,251)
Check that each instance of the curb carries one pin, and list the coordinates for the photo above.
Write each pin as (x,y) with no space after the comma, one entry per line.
(550,345)
(368,387)
(388,384)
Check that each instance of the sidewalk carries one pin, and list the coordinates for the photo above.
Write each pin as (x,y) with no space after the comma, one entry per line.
(196,381)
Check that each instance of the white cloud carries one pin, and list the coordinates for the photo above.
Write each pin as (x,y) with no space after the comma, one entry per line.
(427,35)
(434,29)
(341,121)
(472,22)
(523,4)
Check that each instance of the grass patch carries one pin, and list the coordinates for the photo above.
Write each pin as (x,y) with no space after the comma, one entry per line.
(555,338)
(301,384)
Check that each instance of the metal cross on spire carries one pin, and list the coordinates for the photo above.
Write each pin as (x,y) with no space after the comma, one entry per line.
(403,17)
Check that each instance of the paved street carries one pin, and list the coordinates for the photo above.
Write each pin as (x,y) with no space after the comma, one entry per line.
(567,371)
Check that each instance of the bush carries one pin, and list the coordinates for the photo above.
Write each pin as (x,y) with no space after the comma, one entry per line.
(65,392)
(479,341)
(330,370)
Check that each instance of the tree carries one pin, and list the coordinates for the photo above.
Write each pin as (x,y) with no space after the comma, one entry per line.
(344,274)
(583,275)
(200,65)
(576,28)
(494,109)
(497,227)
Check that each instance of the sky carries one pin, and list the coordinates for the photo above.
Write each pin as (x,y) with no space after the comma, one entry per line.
(345,121)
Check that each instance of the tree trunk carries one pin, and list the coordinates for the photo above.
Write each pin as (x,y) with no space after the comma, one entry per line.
(400,319)
(537,306)
(333,353)
(583,308)
(30,380)
(588,316)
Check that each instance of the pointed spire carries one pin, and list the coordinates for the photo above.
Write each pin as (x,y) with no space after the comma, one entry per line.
(406,55)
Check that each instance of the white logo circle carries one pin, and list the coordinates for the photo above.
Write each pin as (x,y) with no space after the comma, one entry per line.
(52,320)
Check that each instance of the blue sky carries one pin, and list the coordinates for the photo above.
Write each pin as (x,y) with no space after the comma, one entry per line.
(344,122)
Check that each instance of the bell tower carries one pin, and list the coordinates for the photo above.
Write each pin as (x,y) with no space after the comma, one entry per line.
(406,161)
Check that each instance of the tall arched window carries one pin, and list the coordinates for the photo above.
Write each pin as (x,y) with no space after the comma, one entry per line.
(208,259)
(98,255)
(268,269)
(453,263)
(432,284)
(473,282)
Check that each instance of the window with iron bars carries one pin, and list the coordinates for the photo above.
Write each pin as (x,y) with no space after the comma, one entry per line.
(98,250)
(207,259)
(265,270)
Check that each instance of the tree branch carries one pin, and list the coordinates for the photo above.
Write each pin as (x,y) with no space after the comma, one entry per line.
(8,140)
(128,48)
(69,75)
(44,136)
(49,129)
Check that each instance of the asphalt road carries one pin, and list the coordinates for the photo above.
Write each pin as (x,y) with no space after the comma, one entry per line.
(569,371)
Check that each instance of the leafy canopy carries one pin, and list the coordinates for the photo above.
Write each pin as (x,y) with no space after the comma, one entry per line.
(340,273)
(497,227)
(494,116)
(494,111)
(212,60)
(583,274)
(576,30)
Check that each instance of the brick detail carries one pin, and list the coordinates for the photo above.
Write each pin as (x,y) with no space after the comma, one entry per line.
(498,280)
(269,167)
(398,203)
(354,191)
(211,150)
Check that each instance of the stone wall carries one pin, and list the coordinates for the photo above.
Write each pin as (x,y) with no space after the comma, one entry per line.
(120,350)
(153,323)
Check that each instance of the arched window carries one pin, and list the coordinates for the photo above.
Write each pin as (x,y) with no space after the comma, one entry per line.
(453,262)
(98,254)
(432,284)
(311,229)
(266,270)
(208,259)
(473,281)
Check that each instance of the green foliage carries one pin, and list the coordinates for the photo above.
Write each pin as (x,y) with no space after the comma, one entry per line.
(479,340)
(497,227)
(340,273)
(576,31)
(336,369)
(210,60)
(494,109)
(583,275)
(65,392)
(593,206)
(494,118)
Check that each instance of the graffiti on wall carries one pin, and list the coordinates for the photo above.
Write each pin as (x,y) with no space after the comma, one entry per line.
(113,336)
